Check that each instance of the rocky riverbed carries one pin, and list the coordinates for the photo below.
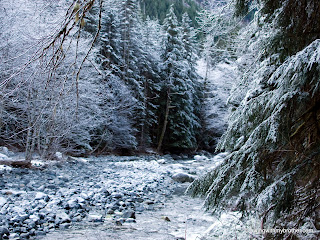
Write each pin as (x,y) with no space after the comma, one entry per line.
(109,195)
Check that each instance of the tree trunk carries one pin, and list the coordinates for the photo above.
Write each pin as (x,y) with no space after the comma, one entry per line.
(165,123)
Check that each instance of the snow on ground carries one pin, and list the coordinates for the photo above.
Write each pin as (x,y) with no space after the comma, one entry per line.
(111,197)
(230,226)
(108,195)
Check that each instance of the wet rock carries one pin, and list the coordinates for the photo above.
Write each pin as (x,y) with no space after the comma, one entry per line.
(119,222)
(182,177)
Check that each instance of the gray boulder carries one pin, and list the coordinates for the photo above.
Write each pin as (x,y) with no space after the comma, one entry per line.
(183,177)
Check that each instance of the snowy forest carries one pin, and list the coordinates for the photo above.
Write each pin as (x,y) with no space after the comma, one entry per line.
(237,79)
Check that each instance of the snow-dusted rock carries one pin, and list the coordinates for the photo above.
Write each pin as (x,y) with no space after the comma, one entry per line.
(62,217)
(73,203)
(95,217)
(200,158)
(161,161)
(182,177)
(40,195)
(34,218)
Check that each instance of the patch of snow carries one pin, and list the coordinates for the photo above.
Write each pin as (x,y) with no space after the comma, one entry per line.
(78,159)
(59,156)
(4,150)
(230,226)
(161,161)
(200,158)
(5,168)
(3,201)
(37,163)
(3,157)
(95,218)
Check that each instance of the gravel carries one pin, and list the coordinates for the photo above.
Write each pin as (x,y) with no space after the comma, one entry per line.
(55,195)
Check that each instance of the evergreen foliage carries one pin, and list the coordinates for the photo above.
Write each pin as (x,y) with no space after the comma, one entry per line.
(273,135)
(157,9)
(179,120)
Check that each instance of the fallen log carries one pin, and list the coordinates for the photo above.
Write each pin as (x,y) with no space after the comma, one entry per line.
(17,163)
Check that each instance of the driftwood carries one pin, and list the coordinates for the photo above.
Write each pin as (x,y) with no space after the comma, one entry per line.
(19,163)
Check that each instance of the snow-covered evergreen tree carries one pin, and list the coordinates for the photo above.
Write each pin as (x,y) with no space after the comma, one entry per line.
(178,119)
(273,133)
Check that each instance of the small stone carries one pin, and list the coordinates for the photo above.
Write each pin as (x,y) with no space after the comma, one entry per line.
(4,150)
(161,161)
(40,195)
(110,211)
(129,214)
(149,202)
(140,209)
(130,220)
(117,195)
(24,236)
(64,226)
(4,232)
(95,218)
(34,218)
(166,218)
(118,223)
